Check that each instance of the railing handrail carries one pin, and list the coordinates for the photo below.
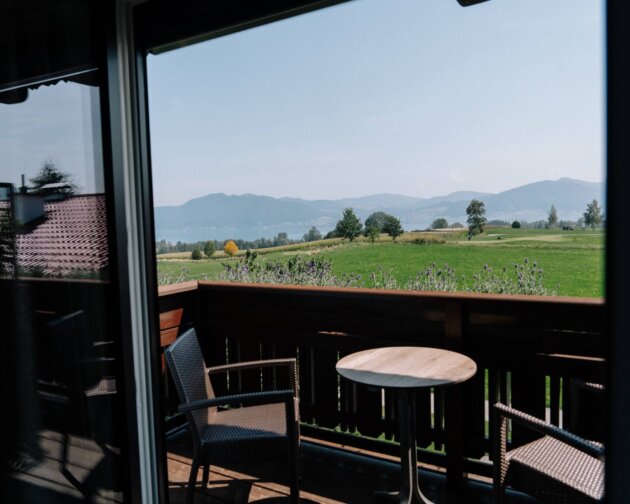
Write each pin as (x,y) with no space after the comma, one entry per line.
(469,296)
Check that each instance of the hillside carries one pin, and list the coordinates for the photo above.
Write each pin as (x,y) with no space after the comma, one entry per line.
(250,216)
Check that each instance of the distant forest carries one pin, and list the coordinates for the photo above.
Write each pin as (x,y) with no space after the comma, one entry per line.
(165,247)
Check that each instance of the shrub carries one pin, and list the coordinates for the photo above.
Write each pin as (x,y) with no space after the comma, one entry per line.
(516,224)
(428,240)
(230,248)
(372,233)
(196,254)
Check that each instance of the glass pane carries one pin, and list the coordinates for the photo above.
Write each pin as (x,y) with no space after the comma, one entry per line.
(405,114)
(61,349)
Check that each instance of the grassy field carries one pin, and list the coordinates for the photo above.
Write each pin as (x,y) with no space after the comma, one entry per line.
(573,261)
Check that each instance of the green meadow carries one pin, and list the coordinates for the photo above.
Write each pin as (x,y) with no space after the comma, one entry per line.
(572,261)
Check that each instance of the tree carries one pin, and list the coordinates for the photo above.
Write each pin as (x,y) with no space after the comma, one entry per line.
(593,214)
(392,227)
(553,217)
(476,212)
(313,234)
(349,226)
(196,254)
(281,239)
(440,223)
(50,174)
(377,220)
(230,248)
(372,233)
(457,225)
(209,248)
(516,224)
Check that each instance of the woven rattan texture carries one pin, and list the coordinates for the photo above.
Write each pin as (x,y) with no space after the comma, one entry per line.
(246,433)
(548,468)
(556,472)
(188,371)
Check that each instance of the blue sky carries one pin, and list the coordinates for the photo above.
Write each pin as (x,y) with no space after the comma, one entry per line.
(414,97)
(57,122)
(417,97)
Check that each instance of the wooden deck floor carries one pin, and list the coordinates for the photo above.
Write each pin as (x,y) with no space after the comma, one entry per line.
(89,475)
(322,481)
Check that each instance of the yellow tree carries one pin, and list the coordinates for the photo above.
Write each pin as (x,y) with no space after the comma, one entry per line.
(230,248)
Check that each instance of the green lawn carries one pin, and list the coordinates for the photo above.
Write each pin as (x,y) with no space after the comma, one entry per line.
(573,261)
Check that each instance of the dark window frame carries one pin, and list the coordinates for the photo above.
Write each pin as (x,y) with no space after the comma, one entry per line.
(161,26)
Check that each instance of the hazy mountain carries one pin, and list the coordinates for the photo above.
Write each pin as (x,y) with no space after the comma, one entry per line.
(249,216)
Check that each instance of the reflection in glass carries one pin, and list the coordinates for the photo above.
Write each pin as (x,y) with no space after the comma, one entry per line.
(62,347)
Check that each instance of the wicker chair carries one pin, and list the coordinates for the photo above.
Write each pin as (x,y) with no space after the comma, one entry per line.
(85,390)
(560,467)
(257,426)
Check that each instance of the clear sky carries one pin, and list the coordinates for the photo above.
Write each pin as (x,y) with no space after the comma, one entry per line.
(417,97)
(59,122)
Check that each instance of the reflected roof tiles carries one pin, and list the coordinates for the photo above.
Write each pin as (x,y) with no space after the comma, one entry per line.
(72,237)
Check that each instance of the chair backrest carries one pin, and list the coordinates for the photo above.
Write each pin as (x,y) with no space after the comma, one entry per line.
(68,348)
(188,370)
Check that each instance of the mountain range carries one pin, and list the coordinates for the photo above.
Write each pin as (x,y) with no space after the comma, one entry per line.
(250,216)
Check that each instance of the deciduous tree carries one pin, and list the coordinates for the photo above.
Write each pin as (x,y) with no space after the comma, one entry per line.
(440,223)
(313,234)
(209,248)
(377,220)
(552,220)
(593,214)
(476,212)
(230,248)
(372,233)
(393,227)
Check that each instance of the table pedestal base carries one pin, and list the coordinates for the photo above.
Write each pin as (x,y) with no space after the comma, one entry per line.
(410,492)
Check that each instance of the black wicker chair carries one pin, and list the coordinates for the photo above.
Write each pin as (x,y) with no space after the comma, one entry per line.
(256,426)
(559,467)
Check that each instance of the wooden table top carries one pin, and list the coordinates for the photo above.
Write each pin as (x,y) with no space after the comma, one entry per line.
(407,367)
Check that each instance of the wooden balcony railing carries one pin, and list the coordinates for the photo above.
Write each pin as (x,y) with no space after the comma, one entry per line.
(526,348)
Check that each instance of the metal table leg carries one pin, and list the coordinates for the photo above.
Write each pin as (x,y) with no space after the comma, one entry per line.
(410,492)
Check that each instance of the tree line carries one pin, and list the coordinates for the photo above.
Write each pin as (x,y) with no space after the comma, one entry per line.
(350,226)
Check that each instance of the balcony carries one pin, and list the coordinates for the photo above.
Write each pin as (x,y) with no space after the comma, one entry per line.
(528,349)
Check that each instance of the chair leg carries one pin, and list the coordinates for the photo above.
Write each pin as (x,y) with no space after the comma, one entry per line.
(498,493)
(192,479)
(206,476)
(294,474)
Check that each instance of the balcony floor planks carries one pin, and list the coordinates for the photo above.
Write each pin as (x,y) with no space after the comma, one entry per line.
(322,482)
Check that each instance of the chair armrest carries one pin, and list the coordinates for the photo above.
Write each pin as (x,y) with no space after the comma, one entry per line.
(590,448)
(240,399)
(241,366)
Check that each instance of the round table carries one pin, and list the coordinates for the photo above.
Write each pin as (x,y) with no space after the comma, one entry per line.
(407,369)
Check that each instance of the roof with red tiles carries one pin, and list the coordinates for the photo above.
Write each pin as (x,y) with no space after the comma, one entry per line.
(72,238)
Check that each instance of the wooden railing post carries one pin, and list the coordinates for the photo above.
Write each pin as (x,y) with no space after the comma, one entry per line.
(453,340)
